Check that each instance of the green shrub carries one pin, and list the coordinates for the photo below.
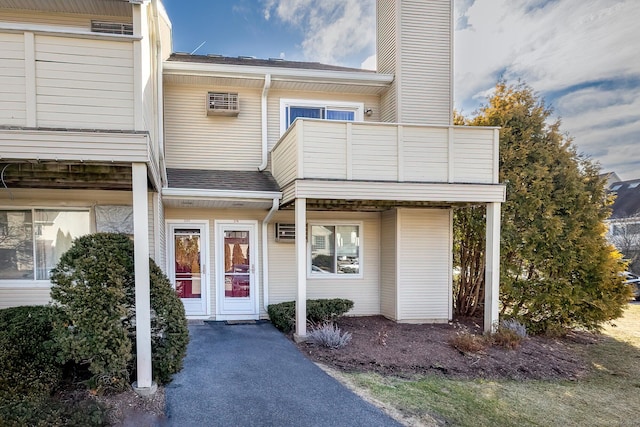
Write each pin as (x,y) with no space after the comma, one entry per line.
(50,412)
(28,368)
(94,286)
(318,311)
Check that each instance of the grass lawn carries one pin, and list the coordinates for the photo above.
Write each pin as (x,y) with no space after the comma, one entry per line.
(608,396)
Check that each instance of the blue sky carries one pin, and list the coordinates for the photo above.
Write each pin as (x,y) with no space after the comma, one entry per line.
(582,56)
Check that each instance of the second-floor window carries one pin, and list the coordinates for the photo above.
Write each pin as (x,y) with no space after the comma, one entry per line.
(291,109)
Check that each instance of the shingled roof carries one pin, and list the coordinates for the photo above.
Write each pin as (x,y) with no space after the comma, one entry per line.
(627,203)
(200,179)
(255,62)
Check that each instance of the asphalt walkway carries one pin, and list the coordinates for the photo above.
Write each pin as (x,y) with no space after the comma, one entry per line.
(252,375)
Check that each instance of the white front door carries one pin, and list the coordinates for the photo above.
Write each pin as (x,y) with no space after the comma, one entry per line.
(187,265)
(237,296)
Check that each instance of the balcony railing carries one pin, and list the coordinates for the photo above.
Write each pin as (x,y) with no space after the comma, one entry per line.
(361,151)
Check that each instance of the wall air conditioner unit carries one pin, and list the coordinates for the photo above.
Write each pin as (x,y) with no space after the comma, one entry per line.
(124,28)
(222,104)
(285,233)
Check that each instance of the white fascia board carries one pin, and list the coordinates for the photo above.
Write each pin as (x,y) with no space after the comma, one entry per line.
(287,74)
(196,193)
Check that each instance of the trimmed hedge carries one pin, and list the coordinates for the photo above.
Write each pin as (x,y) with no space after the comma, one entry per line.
(94,286)
(50,412)
(28,367)
(318,311)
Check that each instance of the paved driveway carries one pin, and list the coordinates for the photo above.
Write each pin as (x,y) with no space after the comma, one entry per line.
(251,375)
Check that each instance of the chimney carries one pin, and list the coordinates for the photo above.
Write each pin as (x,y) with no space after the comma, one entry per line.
(415,43)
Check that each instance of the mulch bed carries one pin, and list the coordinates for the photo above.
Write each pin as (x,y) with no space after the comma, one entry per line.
(407,350)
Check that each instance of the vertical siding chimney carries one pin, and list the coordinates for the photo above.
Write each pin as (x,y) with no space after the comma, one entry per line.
(415,43)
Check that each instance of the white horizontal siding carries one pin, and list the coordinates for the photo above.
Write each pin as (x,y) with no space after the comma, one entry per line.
(386,55)
(424,265)
(388,271)
(375,152)
(425,55)
(325,148)
(83,83)
(473,155)
(20,295)
(284,159)
(63,145)
(67,20)
(197,141)
(425,154)
(12,80)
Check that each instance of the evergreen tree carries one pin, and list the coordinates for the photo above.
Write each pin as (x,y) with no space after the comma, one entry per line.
(557,269)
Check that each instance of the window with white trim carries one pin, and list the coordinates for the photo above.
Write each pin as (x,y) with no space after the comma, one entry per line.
(33,240)
(291,109)
(335,249)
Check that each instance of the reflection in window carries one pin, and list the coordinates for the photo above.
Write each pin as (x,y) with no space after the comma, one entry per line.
(335,249)
(293,112)
(53,232)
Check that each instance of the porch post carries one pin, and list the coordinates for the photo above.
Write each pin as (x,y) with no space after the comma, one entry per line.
(144,384)
(492,270)
(301,261)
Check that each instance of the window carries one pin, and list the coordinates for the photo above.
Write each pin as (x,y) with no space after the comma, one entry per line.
(335,249)
(291,109)
(32,240)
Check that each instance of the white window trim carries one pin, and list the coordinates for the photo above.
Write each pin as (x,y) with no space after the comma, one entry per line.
(357,107)
(43,283)
(336,276)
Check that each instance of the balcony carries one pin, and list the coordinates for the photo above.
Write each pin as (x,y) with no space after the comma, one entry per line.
(384,160)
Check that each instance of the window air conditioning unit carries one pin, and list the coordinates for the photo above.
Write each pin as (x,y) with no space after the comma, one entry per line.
(123,28)
(222,104)
(285,233)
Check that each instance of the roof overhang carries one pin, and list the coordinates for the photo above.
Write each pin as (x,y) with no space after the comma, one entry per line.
(220,199)
(281,78)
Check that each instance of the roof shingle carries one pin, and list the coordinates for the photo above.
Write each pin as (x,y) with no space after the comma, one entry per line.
(201,179)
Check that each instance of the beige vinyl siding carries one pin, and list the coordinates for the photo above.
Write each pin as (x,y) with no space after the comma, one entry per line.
(151,226)
(426,155)
(425,68)
(424,265)
(474,156)
(12,80)
(84,83)
(282,262)
(386,55)
(286,157)
(23,295)
(364,291)
(194,140)
(67,20)
(273,107)
(14,293)
(161,235)
(385,152)
(388,259)
(72,145)
(375,153)
(324,153)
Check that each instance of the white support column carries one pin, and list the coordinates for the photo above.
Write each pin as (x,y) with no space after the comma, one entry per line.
(301,262)
(144,384)
(492,270)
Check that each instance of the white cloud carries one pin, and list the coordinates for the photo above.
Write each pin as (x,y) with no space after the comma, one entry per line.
(583,52)
(371,63)
(334,30)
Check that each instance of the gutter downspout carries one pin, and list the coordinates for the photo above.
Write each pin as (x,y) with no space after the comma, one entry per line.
(159,93)
(265,92)
(265,257)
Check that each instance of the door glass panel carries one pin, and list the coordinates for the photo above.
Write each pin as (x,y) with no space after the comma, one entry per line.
(237,264)
(187,263)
